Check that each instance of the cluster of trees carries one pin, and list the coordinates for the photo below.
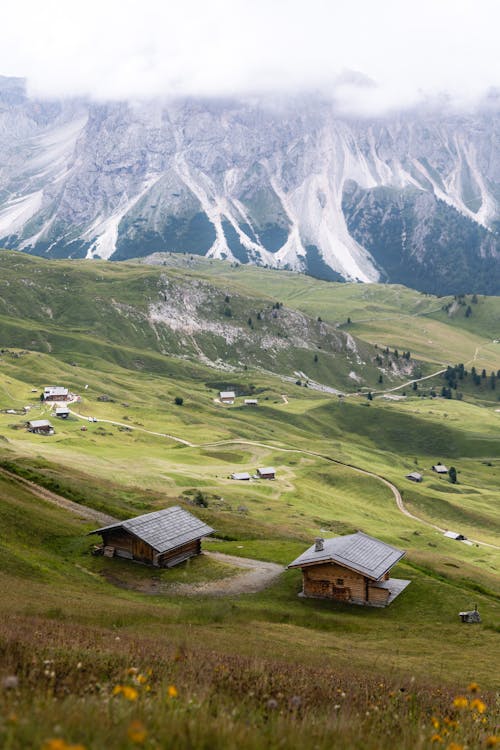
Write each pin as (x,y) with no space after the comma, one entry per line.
(453,375)
(461,299)
(387,353)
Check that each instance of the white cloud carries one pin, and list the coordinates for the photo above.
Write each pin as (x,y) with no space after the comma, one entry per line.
(109,49)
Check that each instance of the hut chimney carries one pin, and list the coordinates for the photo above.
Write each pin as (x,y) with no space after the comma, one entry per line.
(319,544)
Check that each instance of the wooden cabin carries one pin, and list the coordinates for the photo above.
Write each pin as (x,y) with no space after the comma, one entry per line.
(414,476)
(163,538)
(62,412)
(55,393)
(440,469)
(227,397)
(251,402)
(353,568)
(242,476)
(40,427)
(268,472)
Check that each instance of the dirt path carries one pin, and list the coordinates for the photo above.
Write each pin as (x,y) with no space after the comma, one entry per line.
(410,382)
(132,427)
(257,576)
(397,495)
(81,510)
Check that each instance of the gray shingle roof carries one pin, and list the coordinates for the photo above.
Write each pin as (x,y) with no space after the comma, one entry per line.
(55,390)
(163,529)
(359,552)
(39,423)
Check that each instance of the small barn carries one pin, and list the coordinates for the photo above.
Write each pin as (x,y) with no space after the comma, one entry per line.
(251,402)
(62,412)
(268,472)
(353,568)
(440,469)
(242,476)
(227,397)
(40,427)
(163,538)
(55,393)
(414,476)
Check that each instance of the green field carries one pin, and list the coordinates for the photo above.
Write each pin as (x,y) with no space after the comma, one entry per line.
(145,452)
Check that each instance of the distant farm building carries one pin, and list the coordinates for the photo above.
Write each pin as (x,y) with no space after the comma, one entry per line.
(163,538)
(414,476)
(62,412)
(470,616)
(227,397)
(353,568)
(440,469)
(268,472)
(40,427)
(455,535)
(251,402)
(55,393)
(241,475)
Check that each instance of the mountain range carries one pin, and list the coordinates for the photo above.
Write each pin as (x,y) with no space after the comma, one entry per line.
(411,198)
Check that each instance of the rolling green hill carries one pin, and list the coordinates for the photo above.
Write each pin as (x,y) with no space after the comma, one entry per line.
(265,669)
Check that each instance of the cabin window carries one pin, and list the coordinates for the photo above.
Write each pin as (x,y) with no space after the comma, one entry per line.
(340,581)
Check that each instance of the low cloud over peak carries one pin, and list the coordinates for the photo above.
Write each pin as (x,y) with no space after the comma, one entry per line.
(370,58)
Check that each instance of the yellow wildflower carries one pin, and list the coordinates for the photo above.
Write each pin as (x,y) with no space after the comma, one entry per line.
(137,732)
(141,679)
(436,738)
(450,722)
(117,689)
(56,743)
(492,741)
(460,701)
(130,693)
(172,691)
(473,687)
(455,746)
(435,722)
(478,705)
(132,670)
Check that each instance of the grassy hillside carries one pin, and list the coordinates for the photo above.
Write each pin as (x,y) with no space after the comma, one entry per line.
(254,670)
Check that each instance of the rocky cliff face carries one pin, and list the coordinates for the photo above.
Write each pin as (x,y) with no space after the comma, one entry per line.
(412,199)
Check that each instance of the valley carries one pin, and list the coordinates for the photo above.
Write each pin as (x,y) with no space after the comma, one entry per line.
(147,347)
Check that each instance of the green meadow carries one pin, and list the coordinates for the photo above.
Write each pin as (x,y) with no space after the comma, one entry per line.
(236,662)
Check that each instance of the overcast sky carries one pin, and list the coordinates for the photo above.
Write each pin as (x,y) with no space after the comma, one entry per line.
(371,56)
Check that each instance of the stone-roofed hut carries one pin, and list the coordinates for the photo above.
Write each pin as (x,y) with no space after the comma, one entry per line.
(40,427)
(266,472)
(352,568)
(163,538)
(440,469)
(227,397)
(414,476)
(55,393)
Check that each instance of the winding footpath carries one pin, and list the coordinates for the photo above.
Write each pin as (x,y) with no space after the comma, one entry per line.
(269,446)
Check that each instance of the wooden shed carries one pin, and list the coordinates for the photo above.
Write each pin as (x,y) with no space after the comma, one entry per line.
(55,393)
(267,472)
(242,476)
(440,469)
(414,476)
(352,568)
(62,412)
(163,538)
(227,397)
(40,427)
